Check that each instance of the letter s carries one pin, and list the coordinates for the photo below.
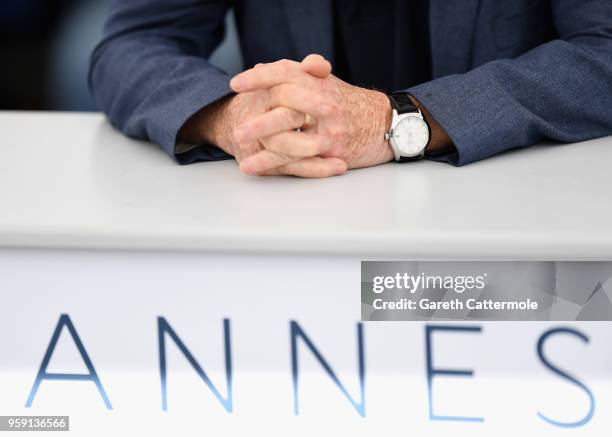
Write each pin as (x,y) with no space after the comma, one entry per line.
(563,374)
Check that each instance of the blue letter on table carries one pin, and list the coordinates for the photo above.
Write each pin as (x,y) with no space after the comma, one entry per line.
(431,372)
(42,372)
(296,332)
(164,327)
(567,376)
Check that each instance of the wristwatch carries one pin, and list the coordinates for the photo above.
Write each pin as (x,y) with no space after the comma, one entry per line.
(410,133)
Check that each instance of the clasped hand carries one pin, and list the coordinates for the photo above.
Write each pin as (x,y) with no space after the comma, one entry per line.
(292,118)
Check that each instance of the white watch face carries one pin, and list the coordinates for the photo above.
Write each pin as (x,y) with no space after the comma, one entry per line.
(411,136)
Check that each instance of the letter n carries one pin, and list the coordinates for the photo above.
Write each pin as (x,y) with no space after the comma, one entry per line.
(297,331)
(164,328)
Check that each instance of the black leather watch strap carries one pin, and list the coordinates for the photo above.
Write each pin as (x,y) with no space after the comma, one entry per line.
(402,103)
(410,158)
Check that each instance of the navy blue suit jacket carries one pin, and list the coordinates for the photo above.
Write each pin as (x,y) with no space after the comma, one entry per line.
(507,73)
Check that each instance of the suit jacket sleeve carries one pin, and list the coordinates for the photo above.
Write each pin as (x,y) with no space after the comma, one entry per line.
(559,91)
(149,74)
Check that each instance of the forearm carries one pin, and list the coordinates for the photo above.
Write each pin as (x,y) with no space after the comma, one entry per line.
(150,74)
(559,91)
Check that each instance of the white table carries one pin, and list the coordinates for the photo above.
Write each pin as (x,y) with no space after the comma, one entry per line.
(114,234)
(70,180)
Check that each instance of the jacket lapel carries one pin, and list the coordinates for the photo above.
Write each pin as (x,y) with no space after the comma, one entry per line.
(311,26)
(452,28)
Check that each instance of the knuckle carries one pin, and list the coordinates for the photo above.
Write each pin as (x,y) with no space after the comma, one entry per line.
(286,66)
(338,131)
(283,69)
(329,107)
(289,63)
(334,107)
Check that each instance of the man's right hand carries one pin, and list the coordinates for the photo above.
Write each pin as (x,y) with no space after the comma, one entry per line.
(215,124)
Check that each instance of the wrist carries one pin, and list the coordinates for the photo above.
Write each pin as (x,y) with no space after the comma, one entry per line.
(210,125)
(381,118)
(215,126)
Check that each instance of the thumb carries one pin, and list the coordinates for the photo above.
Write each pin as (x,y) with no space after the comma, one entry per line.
(316,65)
